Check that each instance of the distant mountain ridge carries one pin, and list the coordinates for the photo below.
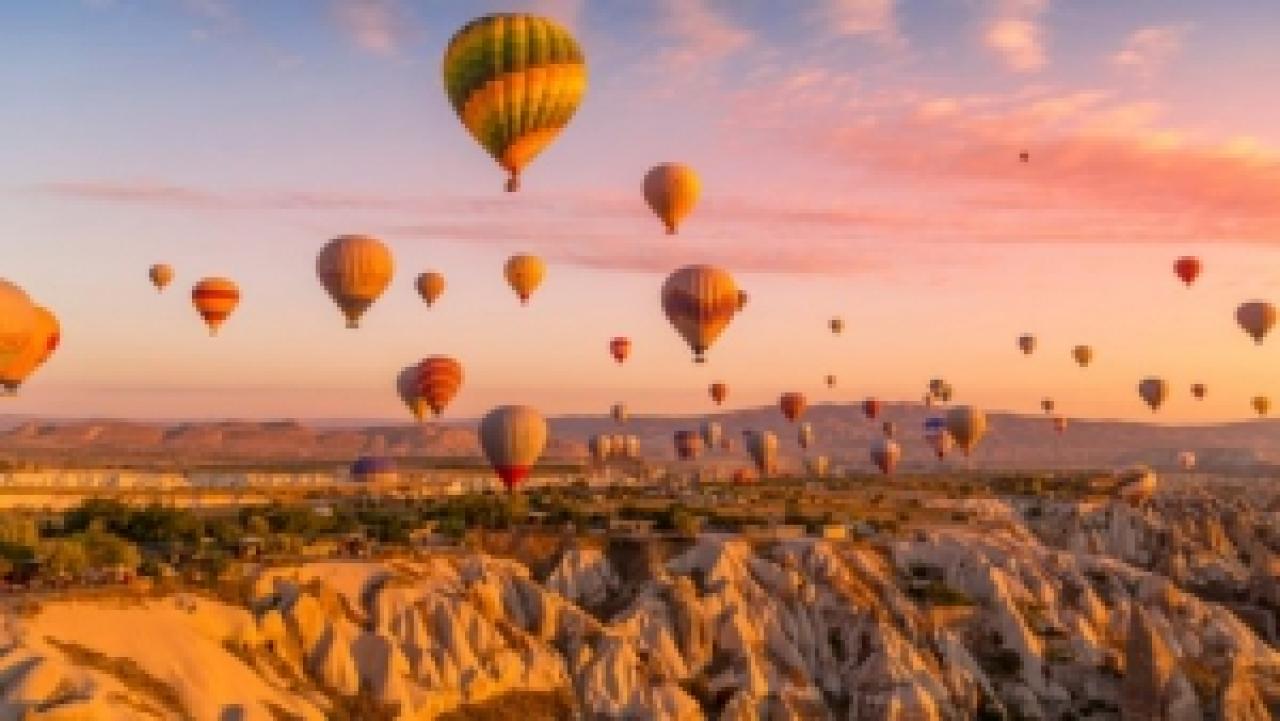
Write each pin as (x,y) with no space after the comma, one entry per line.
(1013,442)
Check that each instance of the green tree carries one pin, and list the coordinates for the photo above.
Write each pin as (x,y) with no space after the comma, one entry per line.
(63,558)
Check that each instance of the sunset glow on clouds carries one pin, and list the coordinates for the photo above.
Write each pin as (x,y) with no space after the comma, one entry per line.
(859,157)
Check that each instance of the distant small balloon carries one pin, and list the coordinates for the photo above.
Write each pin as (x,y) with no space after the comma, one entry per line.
(619,412)
(1256,317)
(793,405)
(161,275)
(1027,343)
(1083,355)
(430,286)
(830,380)
(871,408)
(885,454)
(1261,405)
(718,391)
(837,325)
(672,190)
(1153,391)
(805,435)
(620,348)
(1047,405)
(1198,390)
(1187,269)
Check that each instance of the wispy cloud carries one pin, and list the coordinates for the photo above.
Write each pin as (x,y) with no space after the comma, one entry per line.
(699,34)
(1016,35)
(876,19)
(375,26)
(1149,49)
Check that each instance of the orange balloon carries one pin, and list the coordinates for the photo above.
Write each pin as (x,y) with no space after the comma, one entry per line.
(215,299)
(620,348)
(793,405)
(430,286)
(719,391)
(439,378)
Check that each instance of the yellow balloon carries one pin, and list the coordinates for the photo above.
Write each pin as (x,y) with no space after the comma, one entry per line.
(699,301)
(515,81)
(671,190)
(524,275)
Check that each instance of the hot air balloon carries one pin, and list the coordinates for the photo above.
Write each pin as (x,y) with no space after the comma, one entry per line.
(830,380)
(938,437)
(688,445)
(871,408)
(1027,343)
(1047,405)
(945,394)
(699,301)
(1083,355)
(889,429)
(967,425)
(712,434)
(742,299)
(762,446)
(1198,390)
(793,405)
(430,286)
(513,438)
(928,400)
(354,270)
(1187,460)
(741,476)
(817,466)
(1187,268)
(1060,424)
(524,275)
(671,190)
(620,348)
(44,340)
(1024,156)
(410,393)
(836,324)
(1153,391)
(601,447)
(885,454)
(718,392)
(515,81)
(439,378)
(619,412)
(805,435)
(215,299)
(1256,318)
(1261,404)
(631,444)
(161,275)
(936,386)
(373,469)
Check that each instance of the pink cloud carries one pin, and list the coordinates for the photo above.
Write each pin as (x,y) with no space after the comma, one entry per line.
(1149,49)
(860,18)
(375,26)
(1015,34)
(699,34)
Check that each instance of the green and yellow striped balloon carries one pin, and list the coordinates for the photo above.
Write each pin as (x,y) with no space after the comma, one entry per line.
(515,80)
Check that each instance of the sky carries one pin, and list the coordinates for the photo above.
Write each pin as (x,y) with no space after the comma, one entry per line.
(859,158)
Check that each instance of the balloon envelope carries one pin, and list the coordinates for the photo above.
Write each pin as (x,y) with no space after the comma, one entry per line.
(699,301)
(688,445)
(1256,317)
(41,339)
(885,453)
(792,405)
(408,390)
(1261,404)
(354,270)
(712,434)
(718,391)
(762,446)
(439,379)
(1083,355)
(515,81)
(804,435)
(513,438)
(161,275)
(430,286)
(1153,391)
(215,299)
(1027,343)
(620,348)
(967,425)
(1187,268)
(671,190)
(871,408)
(524,274)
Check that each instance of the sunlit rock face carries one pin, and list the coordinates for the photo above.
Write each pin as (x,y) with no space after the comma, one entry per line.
(951,623)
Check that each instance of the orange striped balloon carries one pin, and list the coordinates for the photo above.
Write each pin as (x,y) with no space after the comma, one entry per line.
(439,378)
(354,270)
(215,299)
(699,301)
